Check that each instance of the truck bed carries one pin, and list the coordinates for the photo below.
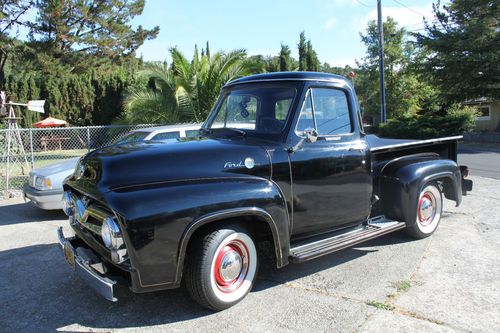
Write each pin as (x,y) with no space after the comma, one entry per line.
(384,149)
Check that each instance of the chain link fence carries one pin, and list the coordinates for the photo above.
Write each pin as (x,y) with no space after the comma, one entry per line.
(40,147)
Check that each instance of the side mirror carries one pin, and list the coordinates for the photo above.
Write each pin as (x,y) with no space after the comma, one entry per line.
(310,135)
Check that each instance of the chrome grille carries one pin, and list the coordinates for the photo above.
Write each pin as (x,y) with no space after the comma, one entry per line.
(89,214)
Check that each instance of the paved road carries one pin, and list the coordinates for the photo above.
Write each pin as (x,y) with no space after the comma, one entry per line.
(482,161)
(452,279)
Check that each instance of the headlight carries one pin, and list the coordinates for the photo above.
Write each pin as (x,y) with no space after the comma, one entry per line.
(43,183)
(68,204)
(110,233)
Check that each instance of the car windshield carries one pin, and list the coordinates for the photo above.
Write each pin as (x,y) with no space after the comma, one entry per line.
(254,108)
(132,137)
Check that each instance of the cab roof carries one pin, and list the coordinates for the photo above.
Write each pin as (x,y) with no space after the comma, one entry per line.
(289,76)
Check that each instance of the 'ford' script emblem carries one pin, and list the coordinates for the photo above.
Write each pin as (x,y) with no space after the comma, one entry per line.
(249,163)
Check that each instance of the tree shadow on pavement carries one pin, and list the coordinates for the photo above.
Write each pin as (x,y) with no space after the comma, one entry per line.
(274,276)
(26,212)
(41,293)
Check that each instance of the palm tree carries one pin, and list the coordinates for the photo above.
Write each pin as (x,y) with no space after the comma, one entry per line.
(185,92)
(199,81)
(155,103)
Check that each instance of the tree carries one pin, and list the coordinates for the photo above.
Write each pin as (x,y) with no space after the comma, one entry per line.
(308,58)
(154,101)
(186,91)
(405,90)
(97,27)
(199,82)
(312,61)
(463,52)
(11,17)
(285,58)
(302,46)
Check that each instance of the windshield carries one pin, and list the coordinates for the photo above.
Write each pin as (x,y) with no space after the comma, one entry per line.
(262,108)
(132,137)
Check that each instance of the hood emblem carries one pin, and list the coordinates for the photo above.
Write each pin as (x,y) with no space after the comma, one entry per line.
(249,162)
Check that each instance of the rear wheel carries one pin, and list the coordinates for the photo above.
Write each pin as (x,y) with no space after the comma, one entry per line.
(222,268)
(428,215)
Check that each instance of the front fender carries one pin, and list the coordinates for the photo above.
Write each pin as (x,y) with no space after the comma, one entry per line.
(160,219)
(402,182)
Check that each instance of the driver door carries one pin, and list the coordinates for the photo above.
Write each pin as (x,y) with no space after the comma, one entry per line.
(331,177)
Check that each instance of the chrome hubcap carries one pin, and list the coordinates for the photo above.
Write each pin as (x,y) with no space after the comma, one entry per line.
(231,266)
(426,208)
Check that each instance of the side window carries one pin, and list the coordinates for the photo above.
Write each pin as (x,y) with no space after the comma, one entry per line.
(331,111)
(166,136)
(306,119)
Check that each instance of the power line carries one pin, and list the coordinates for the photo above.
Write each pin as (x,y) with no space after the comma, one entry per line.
(409,8)
(363,4)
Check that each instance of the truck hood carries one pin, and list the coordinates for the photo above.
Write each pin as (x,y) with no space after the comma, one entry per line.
(150,163)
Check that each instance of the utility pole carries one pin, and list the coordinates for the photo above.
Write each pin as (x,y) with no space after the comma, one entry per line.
(383,110)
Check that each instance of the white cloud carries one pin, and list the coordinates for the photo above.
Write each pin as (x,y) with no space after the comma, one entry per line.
(410,18)
(330,24)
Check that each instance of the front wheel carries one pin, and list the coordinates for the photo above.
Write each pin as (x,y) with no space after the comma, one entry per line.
(222,268)
(428,215)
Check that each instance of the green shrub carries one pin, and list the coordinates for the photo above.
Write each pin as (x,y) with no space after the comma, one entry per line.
(455,120)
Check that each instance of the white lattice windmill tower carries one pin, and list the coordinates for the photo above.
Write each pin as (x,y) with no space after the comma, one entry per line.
(14,153)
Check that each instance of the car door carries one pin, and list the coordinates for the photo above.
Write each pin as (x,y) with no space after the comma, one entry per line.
(331,177)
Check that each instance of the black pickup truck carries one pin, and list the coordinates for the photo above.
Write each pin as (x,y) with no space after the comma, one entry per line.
(283,159)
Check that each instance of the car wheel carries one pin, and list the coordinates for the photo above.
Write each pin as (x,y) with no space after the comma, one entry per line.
(222,268)
(428,215)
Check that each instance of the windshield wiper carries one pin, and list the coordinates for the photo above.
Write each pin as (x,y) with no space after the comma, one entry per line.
(236,130)
(220,129)
(205,130)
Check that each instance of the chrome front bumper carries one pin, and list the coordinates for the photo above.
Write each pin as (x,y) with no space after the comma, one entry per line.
(102,285)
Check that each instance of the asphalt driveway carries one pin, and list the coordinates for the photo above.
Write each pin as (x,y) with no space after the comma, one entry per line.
(448,282)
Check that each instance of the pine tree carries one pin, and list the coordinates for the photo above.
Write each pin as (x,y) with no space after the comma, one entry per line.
(463,49)
(302,51)
(312,61)
(285,58)
(97,27)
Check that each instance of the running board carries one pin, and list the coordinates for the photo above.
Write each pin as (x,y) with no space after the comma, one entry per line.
(375,227)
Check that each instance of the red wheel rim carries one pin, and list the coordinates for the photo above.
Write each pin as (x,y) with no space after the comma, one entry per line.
(426,209)
(231,266)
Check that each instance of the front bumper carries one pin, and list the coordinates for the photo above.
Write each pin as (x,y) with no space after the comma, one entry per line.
(49,200)
(83,267)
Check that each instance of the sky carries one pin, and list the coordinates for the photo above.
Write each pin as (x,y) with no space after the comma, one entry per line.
(260,26)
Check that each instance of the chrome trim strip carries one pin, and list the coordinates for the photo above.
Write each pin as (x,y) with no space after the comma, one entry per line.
(419,142)
(182,181)
(102,285)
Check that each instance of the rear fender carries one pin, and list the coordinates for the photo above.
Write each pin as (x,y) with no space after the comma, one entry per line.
(402,182)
